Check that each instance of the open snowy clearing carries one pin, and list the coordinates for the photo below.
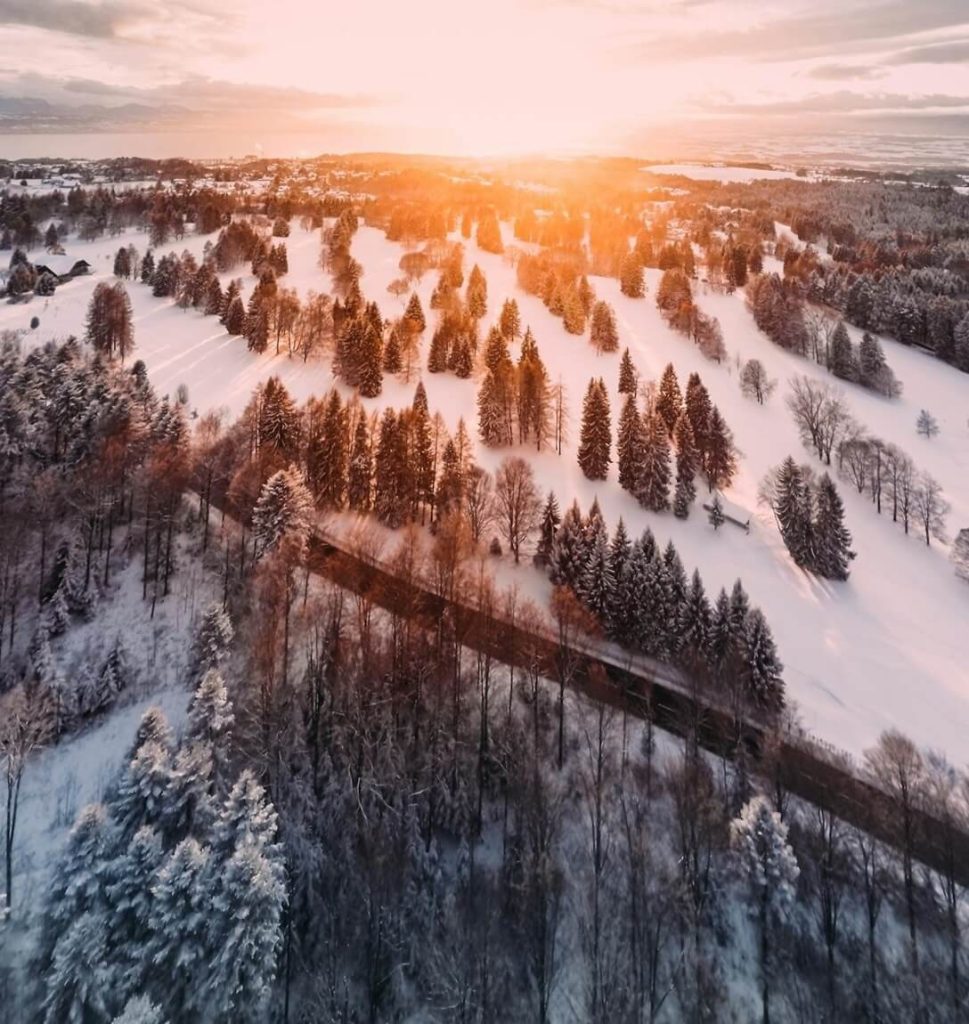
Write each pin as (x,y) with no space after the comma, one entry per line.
(885,649)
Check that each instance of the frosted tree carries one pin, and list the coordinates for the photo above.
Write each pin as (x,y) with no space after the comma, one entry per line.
(630,445)
(960,554)
(669,399)
(632,281)
(548,528)
(832,539)
(140,1010)
(755,383)
(927,425)
(78,983)
(595,439)
(762,667)
(246,814)
(247,933)
(767,864)
(180,923)
(210,720)
(627,374)
(104,689)
(142,796)
(603,333)
(283,510)
(567,562)
(130,878)
(653,485)
(212,640)
(687,460)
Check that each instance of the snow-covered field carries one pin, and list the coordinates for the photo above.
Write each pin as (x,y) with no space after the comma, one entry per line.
(728,174)
(886,649)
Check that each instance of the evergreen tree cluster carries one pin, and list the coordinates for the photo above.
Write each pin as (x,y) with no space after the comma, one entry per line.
(810,516)
(173,893)
(558,279)
(641,597)
(514,399)
(688,427)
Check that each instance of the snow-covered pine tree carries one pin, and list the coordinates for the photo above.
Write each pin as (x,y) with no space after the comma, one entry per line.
(603,333)
(595,442)
(632,281)
(792,504)
(698,411)
(180,947)
(283,511)
(78,984)
(841,357)
(630,446)
(140,1010)
(696,621)
(628,378)
(567,563)
(103,690)
(360,470)
(210,721)
(720,457)
(246,816)
(653,485)
(130,879)
(212,639)
(547,530)
(762,667)
(245,933)
(143,792)
(687,460)
(832,539)
(669,398)
(767,863)
(510,320)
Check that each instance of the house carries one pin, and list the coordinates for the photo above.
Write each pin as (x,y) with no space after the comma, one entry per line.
(63,266)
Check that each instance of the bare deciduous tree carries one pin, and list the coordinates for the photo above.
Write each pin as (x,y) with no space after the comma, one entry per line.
(516,501)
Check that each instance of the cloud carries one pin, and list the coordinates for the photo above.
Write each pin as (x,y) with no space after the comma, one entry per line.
(102,20)
(779,38)
(842,102)
(953,52)
(845,72)
(33,102)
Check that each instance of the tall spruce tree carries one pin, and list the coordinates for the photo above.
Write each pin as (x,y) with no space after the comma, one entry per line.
(653,486)
(687,459)
(595,441)
(630,446)
(832,539)
(669,399)
(627,374)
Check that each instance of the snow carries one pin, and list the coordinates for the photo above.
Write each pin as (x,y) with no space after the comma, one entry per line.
(886,649)
(721,172)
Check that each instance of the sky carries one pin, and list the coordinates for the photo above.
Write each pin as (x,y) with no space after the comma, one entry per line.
(492,78)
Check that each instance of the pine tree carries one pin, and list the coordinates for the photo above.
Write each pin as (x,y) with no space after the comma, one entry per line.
(573,313)
(143,793)
(180,925)
(140,1010)
(720,643)
(767,862)
(246,817)
(669,401)
(393,358)
(510,320)
(595,440)
(235,318)
(627,374)
(597,584)
(696,621)
(492,417)
(462,360)
(78,983)
(832,540)
(282,511)
(631,279)
(604,334)
(370,376)
(440,350)
(720,458)
(210,721)
(686,467)
(698,411)
(630,446)
(841,359)
(496,350)
(248,910)
(360,470)
(654,480)
(791,503)
(212,639)
(567,562)
(414,315)
(477,293)
(548,530)
(762,668)
(619,555)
